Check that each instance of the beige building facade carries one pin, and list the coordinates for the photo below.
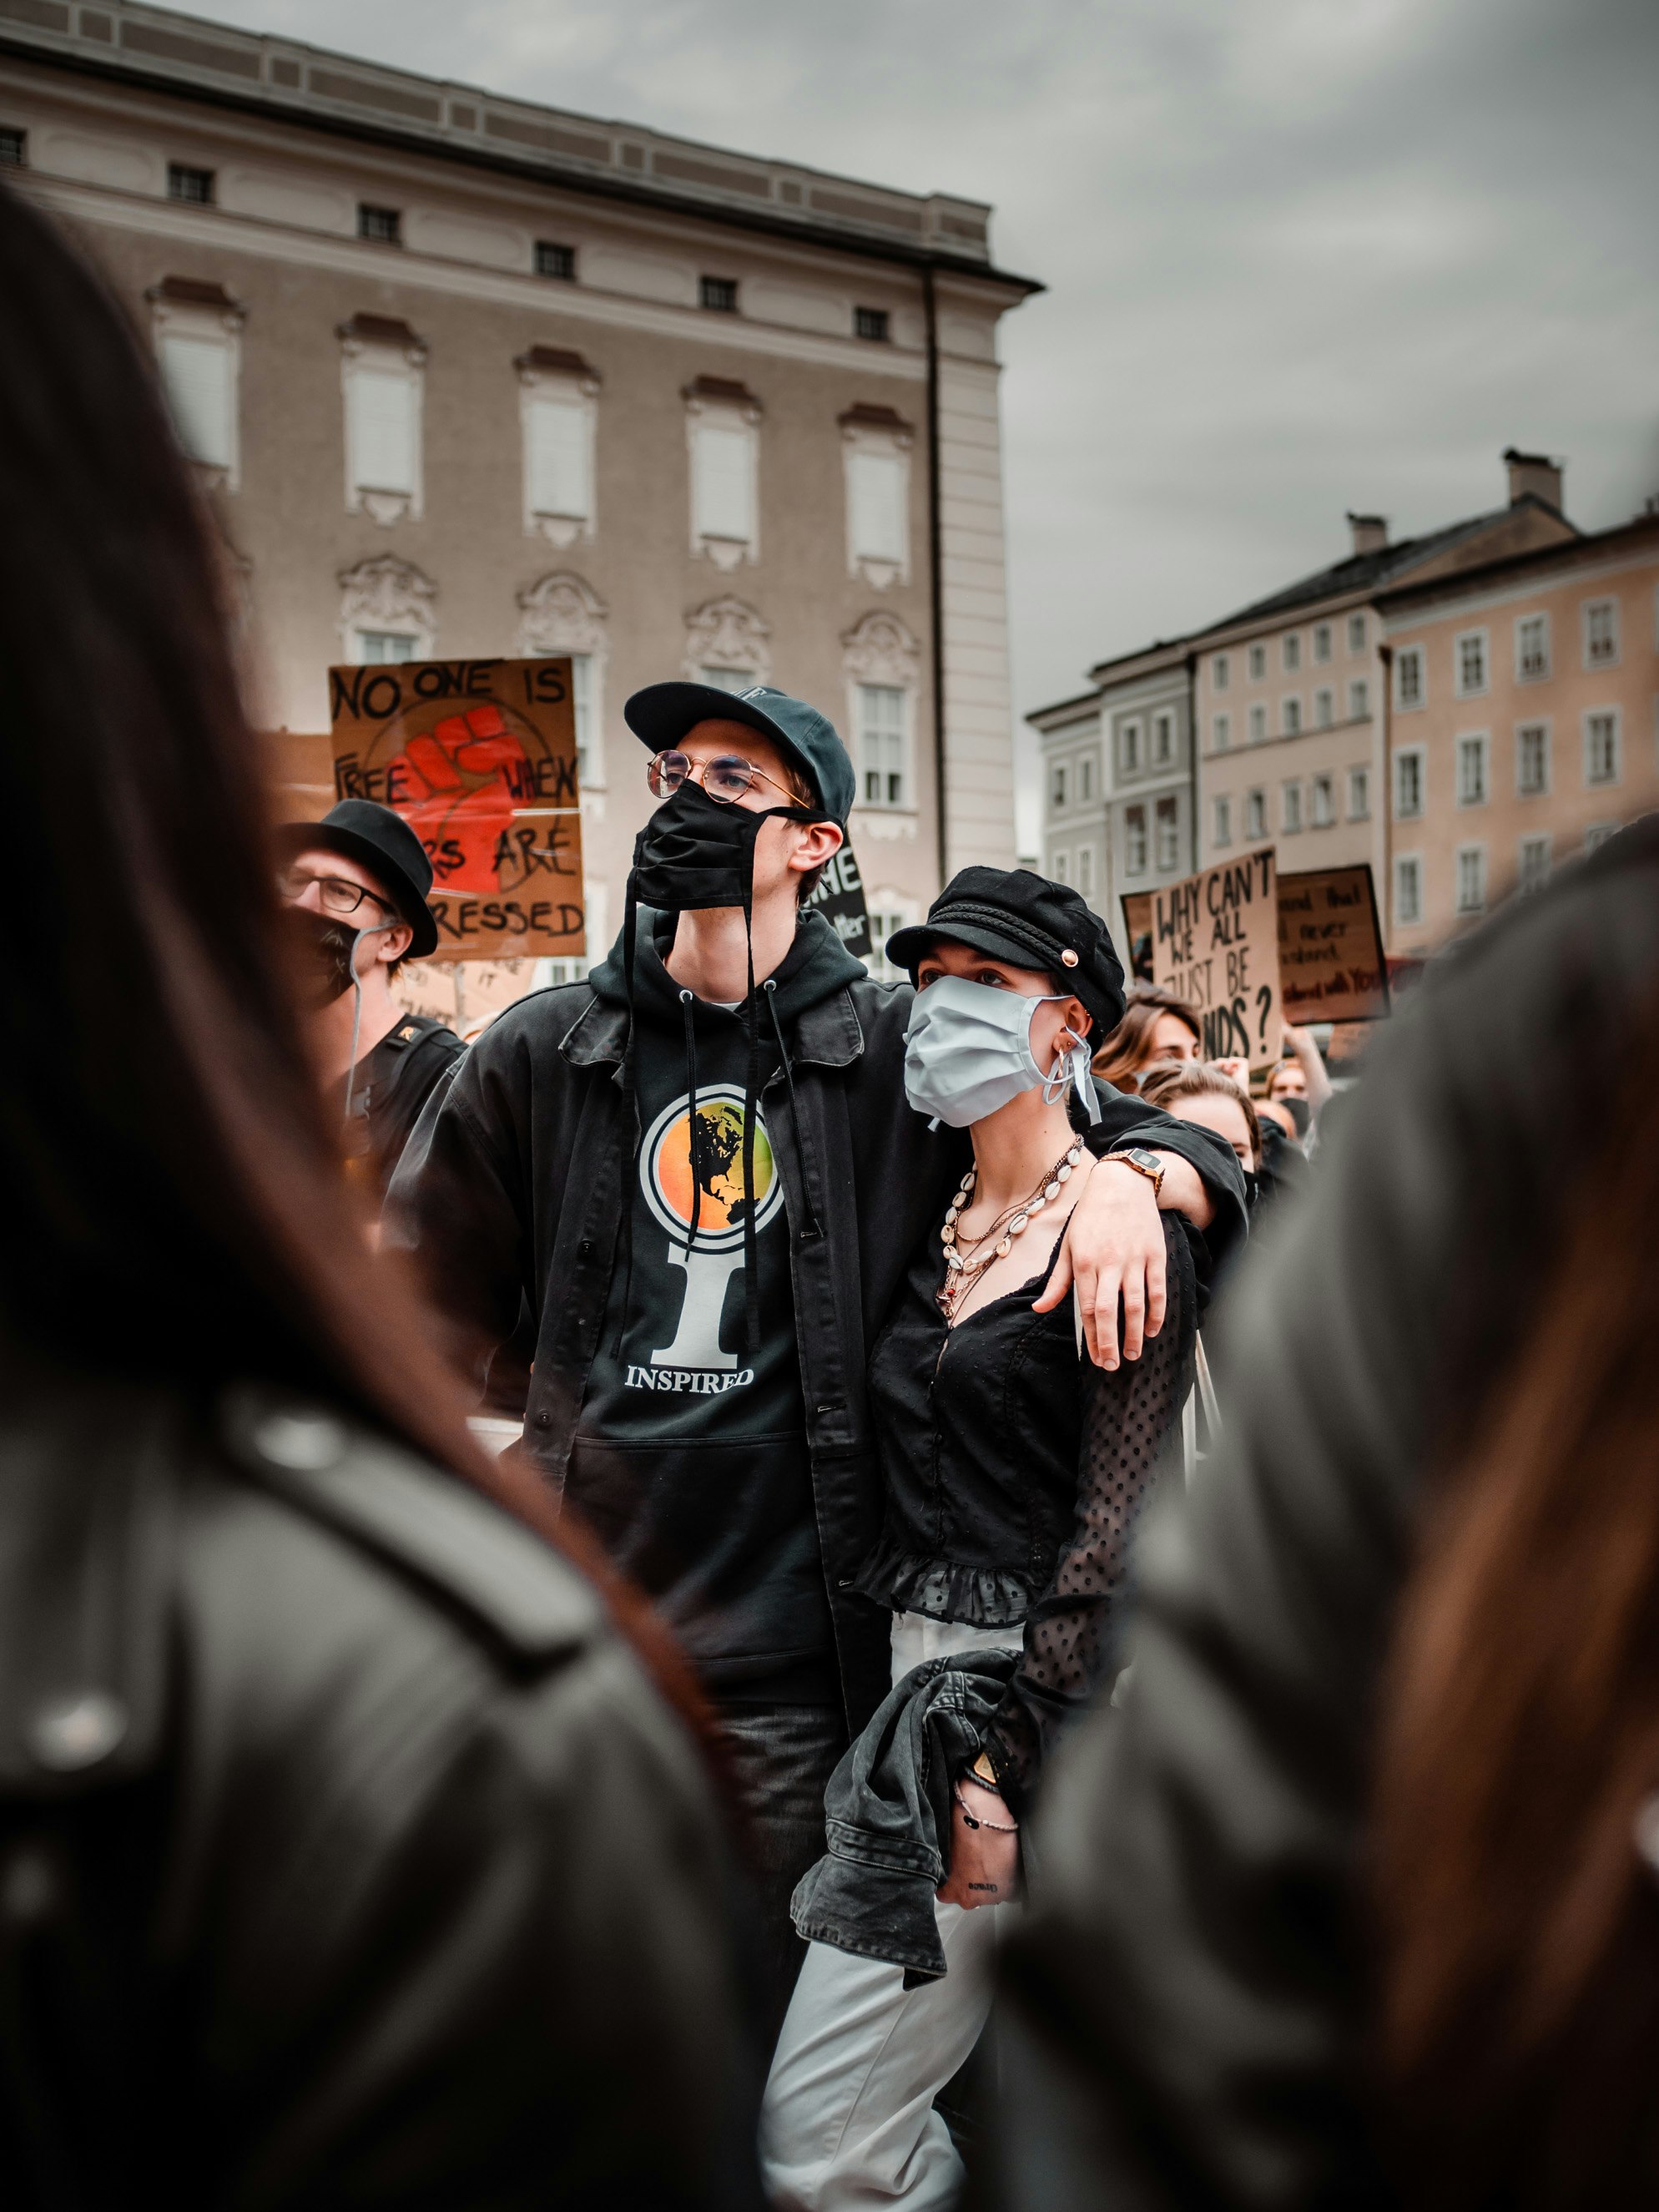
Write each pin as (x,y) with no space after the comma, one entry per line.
(465,376)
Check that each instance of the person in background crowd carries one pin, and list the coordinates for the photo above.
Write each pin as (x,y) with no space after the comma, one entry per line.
(1299,1082)
(1199,1091)
(357,882)
(705,1278)
(349,1854)
(1013,1470)
(1156,1029)
(1356,1900)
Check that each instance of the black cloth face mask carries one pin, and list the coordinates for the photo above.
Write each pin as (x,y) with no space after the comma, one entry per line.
(322,948)
(695,852)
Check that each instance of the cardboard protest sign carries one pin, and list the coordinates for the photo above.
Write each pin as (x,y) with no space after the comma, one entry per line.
(1138,933)
(840,899)
(1331,962)
(1215,942)
(479,758)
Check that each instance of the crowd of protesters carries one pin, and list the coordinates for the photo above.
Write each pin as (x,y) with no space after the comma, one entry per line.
(852,1650)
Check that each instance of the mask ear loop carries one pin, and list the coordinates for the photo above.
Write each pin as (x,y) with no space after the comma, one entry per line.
(369,929)
(1071,1070)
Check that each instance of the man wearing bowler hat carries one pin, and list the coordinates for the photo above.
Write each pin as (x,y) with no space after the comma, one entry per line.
(357,885)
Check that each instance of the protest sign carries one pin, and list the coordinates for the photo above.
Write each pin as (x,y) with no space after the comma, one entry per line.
(1331,963)
(479,758)
(1138,933)
(840,899)
(1215,942)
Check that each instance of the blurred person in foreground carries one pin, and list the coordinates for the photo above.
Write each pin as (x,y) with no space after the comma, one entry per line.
(347,1853)
(358,883)
(1156,1031)
(1356,1900)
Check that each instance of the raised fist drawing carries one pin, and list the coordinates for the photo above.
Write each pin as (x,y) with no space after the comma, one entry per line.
(465,773)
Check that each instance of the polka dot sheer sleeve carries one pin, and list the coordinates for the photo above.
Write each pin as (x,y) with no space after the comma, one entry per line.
(1129,1414)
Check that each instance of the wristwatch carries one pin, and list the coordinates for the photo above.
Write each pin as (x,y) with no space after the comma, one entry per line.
(1144,1162)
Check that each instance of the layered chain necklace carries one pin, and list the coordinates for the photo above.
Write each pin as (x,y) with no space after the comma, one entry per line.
(964,1265)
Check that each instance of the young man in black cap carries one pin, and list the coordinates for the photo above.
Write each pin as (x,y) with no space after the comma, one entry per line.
(705,1281)
(357,882)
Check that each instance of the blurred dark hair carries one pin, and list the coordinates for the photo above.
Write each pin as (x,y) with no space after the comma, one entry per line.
(1128,1048)
(174,1206)
(1196,1078)
(1519,1922)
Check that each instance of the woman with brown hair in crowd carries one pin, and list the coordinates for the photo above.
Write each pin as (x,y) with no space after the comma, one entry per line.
(1156,1029)
(1356,1900)
(347,1853)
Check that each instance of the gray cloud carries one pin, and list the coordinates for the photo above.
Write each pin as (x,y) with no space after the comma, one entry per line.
(1304,254)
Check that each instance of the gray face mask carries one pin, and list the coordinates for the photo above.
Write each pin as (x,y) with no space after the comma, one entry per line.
(968,1050)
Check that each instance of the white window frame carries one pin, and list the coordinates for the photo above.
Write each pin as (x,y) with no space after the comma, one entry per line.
(1289,652)
(1538,844)
(1360,794)
(896,745)
(1324,708)
(578,391)
(207,325)
(1258,663)
(1060,867)
(888,446)
(1221,820)
(890,911)
(1546,730)
(1058,787)
(1547,667)
(404,362)
(738,419)
(1474,745)
(1588,609)
(1290,715)
(880,650)
(1417,755)
(1129,738)
(1255,814)
(1085,779)
(1259,723)
(1137,839)
(1359,699)
(1475,856)
(1597,833)
(1481,642)
(1221,674)
(1356,633)
(1321,802)
(1166,816)
(1414,656)
(1221,733)
(1407,869)
(1322,642)
(1290,807)
(1163,741)
(561,613)
(1592,715)
(1084,885)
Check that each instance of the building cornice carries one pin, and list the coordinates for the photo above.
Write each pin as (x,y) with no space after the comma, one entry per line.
(1519,575)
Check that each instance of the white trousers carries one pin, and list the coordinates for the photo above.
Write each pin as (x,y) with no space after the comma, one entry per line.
(848,2121)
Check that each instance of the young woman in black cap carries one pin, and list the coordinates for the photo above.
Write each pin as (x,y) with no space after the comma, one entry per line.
(1013,1470)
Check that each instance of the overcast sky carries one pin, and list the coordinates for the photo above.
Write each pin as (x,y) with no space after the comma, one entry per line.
(1303,255)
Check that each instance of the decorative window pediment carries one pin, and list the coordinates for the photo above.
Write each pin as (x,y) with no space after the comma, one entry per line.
(727,634)
(560,613)
(382,599)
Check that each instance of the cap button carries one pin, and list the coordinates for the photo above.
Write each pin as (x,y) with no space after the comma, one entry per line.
(1068,958)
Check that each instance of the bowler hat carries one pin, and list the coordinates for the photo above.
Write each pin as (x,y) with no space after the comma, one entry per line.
(1018,916)
(383,842)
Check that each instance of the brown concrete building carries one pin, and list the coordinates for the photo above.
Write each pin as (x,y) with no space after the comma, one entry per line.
(469,376)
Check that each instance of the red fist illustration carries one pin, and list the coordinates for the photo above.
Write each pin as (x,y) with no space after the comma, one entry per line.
(464,775)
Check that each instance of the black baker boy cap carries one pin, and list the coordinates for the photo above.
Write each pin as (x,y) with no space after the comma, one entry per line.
(383,843)
(1021,918)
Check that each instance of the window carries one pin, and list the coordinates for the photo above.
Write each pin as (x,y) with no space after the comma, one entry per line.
(1221,732)
(1258,725)
(1255,814)
(1408,785)
(1324,707)
(1532,760)
(558,408)
(1258,663)
(378,645)
(1471,879)
(1057,788)
(1061,867)
(1360,794)
(1359,700)
(1134,841)
(1601,633)
(1598,833)
(1289,717)
(383,373)
(1163,740)
(1533,870)
(1131,748)
(727,679)
(383,226)
(1472,770)
(14,147)
(719,294)
(1221,821)
(1470,652)
(198,373)
(882,745)
(877,496)
(1289,809)
(558,262)
(1321,641)
(1168,821)
(1292,650)
(1356,633)
(1085,871)
(1221,674)
(871,323)
(194,186)
(1322,810)
(885,923)
(1532,649)
(1408,890)
(1601,747)
(1086,778)
(1408,676)
(723,427)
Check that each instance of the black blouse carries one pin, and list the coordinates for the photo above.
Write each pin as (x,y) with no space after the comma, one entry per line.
(1013,1470)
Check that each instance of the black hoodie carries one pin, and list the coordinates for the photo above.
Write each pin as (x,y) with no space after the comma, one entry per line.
(693,1438)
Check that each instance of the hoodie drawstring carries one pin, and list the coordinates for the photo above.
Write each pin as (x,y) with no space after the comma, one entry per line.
(687,1002)
(810,1227)
(750,1084)
(631,1104)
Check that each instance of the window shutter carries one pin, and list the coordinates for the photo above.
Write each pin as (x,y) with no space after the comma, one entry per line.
(557,430)
(877,482)
(383,430)
(723,475)
(196,374)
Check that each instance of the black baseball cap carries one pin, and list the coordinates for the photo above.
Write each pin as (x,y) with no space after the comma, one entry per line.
(383,842)
(663,714)
(1018,916)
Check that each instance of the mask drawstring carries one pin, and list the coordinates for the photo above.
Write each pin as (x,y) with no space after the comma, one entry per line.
(630,923)
(810,1227)
(751,1252)
(369,929)
(1071,1071)
(687,1003)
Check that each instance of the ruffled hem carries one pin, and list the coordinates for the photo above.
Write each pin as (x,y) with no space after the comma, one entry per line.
(944,1589)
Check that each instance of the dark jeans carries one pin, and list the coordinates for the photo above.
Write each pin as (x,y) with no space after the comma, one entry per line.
(781,1758)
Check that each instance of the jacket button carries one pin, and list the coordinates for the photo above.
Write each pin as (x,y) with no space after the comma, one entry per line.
(72,1733)
(585,1248)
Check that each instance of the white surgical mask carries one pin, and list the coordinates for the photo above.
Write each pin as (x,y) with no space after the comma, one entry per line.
(968,1050)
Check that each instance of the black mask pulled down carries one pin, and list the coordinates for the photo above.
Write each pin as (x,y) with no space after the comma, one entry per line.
(695,852)
(321,949)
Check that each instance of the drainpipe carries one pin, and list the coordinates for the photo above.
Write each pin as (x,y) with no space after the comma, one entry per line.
(935,568)
(1192,756)
(1385,795)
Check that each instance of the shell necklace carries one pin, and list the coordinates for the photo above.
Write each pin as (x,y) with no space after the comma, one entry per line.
(964,1267)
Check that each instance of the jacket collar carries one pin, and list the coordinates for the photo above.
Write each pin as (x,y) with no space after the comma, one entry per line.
(827,1035)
